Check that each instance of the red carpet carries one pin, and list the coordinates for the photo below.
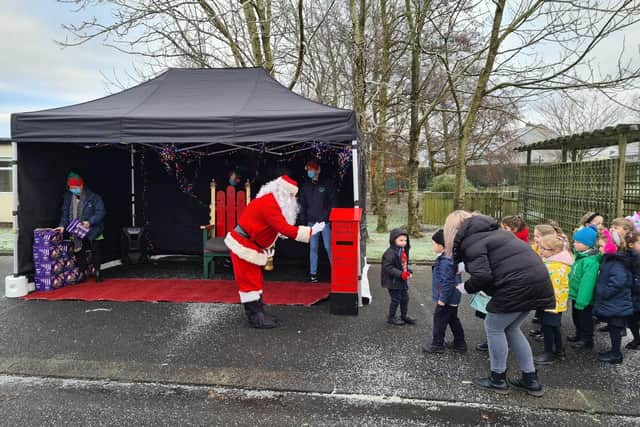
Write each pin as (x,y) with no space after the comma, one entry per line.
(174,290)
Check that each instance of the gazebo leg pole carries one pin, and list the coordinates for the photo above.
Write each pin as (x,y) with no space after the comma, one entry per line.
(14,190)
(356,170)
(133,187)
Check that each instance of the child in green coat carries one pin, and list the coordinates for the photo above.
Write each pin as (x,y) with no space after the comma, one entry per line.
(582,283)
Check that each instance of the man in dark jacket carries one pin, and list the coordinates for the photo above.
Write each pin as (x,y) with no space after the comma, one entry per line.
(86,206)
(317,198)
(505,268)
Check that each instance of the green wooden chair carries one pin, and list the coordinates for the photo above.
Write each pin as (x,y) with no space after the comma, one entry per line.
(225,209)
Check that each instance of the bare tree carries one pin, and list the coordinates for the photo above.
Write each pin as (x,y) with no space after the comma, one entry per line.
(570,113)
(514,60)
(200,33)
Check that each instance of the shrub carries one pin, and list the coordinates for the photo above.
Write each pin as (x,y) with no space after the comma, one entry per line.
(446,184)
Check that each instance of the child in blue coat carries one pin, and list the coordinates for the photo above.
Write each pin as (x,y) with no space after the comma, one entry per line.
(612,302)
(634,320)
(447,299)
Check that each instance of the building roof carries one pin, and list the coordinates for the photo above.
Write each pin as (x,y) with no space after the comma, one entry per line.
(605,137)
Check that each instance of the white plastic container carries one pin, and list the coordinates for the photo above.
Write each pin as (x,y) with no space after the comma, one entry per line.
(15,287)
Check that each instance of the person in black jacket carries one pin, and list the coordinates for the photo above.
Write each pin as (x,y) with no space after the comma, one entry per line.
(317,198)
(395,274)
(505,268)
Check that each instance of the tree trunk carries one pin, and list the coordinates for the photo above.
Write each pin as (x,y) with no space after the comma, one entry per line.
(252,29)
(461,164)
(416,23)
(381,136)
(358,19)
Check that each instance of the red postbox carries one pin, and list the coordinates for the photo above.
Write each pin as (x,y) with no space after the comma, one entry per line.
(345,260)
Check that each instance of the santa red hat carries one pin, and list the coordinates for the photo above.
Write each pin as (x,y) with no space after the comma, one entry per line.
(288,184)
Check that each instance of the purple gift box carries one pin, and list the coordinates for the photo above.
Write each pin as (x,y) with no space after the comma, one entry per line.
(48,254)
(76,228)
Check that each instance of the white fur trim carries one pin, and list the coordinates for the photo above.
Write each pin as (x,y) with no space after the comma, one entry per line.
(245,253)
(304,234)
(249,296)
(287,186)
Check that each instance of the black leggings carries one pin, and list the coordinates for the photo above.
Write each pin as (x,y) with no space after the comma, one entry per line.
(551,332)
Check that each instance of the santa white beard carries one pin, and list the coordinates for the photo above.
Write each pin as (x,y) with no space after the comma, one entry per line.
(287,202)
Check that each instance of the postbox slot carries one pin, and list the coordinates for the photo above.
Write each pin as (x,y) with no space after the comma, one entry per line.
(344,243)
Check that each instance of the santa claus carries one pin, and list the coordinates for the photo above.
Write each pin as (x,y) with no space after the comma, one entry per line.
(271,214)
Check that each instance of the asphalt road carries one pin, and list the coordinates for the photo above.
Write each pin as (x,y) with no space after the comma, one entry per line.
(104,363)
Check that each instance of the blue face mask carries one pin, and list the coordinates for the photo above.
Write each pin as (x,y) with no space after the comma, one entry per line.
(311,174)
(75,191)
(232,182)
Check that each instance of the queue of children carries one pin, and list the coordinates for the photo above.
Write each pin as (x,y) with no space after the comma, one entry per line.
(596,277)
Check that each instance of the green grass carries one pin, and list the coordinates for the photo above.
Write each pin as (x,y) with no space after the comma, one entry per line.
(421,249)
(6,239)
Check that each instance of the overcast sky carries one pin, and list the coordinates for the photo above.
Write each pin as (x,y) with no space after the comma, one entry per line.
(36,73)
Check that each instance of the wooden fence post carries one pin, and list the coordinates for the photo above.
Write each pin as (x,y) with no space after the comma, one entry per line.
(622,157)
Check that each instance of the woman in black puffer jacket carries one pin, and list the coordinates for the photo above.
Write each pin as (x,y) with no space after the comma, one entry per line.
(515,277)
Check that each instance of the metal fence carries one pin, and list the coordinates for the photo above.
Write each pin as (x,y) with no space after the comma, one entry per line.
(436,206)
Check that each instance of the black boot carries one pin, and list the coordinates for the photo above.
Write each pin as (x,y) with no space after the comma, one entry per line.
(529,383)
(98,276)
(544,359)
(497,382)
(409,320)
(395,321)
(268,316)
(256,316)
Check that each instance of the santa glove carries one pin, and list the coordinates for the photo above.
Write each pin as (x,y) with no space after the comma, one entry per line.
(405,275)
(269,252)
(317,228)
(461,288)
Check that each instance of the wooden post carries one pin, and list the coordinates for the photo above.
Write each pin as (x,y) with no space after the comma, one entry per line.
(622,157)
(574,155)
(212,206)
(564,154)
(528,157)
(247,191)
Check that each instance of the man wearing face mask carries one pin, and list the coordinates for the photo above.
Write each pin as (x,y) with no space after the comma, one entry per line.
(317,198)
(86,206)
(235,179)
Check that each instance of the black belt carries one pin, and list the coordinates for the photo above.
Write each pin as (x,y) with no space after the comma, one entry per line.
(241,231)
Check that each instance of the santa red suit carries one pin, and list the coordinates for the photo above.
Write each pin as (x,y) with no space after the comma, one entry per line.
(272,213)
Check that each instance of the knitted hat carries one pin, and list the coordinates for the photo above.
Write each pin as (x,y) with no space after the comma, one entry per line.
(587,236)
(438,237)
(74,180)
(288,184)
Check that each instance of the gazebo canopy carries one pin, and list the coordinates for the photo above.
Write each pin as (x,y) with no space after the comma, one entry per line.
(235,106)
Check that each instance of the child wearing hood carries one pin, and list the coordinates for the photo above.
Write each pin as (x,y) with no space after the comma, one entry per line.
(613,302)
(395,274)
(558,261)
